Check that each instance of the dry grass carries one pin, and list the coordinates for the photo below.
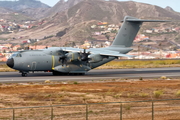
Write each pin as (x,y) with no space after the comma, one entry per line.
(141,64)
(5,68)
(60,93)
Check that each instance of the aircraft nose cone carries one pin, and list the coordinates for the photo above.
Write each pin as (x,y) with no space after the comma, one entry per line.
(10,63)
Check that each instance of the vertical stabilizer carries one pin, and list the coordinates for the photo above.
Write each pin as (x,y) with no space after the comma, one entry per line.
(129,30)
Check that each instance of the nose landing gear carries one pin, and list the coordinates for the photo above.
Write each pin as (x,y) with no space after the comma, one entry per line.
(24,74)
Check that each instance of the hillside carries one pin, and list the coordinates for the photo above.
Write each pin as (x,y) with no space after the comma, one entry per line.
(12,16)
(76,20)
(35,13)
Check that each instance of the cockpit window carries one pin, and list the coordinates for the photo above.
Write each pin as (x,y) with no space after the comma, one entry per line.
(19,55)
(16,54)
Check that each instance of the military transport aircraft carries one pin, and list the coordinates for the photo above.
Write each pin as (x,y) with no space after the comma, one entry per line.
(67,60)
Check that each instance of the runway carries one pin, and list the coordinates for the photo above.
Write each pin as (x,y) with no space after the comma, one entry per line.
(11,77)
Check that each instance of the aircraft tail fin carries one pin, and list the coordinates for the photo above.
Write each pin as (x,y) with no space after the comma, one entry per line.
(129,30)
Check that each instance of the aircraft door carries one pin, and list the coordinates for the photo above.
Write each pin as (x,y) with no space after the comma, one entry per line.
(33,67)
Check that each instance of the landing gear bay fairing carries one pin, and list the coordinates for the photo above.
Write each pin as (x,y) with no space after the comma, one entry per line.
(68,60)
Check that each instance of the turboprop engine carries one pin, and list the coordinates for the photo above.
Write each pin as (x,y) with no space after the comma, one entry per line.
(73,56)
(95,58)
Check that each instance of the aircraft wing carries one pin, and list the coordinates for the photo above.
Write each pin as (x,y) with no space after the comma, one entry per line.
(117,55)
(111,53)
(69,49)
(101,51)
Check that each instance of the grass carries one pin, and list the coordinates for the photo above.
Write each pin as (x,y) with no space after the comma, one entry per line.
(143,95)
(140,64)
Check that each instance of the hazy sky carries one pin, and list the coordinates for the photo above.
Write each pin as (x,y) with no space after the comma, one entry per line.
(175,4)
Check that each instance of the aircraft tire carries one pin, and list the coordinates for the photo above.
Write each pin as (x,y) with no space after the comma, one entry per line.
(24,74)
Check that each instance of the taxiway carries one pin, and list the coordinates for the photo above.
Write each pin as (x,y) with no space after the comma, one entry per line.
(10,77)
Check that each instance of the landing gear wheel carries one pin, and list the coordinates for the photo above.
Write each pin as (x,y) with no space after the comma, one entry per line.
(24,74)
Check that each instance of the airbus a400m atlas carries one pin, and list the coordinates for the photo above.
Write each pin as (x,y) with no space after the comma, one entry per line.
(67,60)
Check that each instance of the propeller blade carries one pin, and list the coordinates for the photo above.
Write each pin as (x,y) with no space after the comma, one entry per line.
(84,56)
(62,57)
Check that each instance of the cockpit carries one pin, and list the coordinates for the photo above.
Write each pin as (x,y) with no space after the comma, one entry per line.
(15,54)
(10,61)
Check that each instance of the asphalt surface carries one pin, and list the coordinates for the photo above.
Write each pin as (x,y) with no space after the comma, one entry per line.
(11,77)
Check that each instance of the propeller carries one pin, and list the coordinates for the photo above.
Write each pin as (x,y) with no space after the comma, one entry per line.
(63,57)
(84,56)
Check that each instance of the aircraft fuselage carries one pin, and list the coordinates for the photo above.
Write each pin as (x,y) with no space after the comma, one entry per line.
(48,60)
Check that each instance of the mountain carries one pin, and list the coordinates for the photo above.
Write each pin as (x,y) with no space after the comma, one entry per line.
(18,5)
(31,8)
(61,6)
(35,13)
(113,12)
(5,11)
(12,16)
(169,9)
(75,11)
(74,17)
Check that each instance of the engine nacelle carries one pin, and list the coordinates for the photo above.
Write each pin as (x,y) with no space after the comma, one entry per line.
(95,58)
(73,56)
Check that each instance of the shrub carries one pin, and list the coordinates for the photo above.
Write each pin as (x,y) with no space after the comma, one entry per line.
(128,107)
(158,93)
(178,93)
(140,78)
(117,96)
(75,82)
(143,94)
(163,77)
(47,81)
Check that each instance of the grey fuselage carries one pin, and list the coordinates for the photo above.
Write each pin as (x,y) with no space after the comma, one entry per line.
(48,60)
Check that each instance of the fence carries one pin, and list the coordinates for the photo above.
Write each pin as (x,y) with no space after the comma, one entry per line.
(135,110)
